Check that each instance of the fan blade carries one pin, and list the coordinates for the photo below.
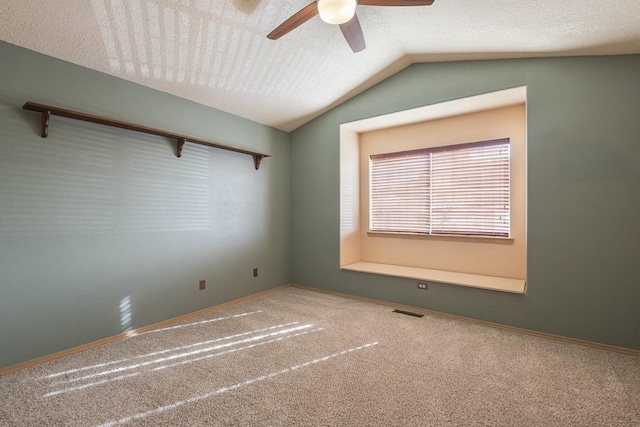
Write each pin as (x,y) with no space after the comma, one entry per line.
(352,31)
(299,18)
(395,2)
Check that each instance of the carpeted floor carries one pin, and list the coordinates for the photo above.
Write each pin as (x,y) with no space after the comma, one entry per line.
(302,358)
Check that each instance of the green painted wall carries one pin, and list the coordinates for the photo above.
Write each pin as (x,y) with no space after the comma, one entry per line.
(93,217)
(583,195)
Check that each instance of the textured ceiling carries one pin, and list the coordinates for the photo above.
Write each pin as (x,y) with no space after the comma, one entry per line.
(216,52)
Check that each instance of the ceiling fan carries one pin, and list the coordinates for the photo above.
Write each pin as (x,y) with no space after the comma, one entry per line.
(342,13)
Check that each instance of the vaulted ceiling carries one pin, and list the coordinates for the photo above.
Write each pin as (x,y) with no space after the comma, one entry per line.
(215,52)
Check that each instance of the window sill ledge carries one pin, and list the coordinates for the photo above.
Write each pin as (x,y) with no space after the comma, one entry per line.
(502,284)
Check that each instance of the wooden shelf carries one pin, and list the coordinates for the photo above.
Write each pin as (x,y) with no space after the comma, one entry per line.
(47,111)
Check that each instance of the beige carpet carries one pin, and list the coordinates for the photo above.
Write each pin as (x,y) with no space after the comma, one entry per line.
(301,358)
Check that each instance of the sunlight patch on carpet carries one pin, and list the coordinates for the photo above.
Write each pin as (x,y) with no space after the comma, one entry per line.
(234,387)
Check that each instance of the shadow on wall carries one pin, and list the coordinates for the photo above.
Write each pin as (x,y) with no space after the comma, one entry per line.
(87,191)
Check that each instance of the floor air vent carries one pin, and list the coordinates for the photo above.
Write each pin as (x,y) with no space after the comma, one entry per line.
(408,313)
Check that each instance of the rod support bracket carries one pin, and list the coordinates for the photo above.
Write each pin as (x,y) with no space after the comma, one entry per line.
(257,158)
(46,115)
(181,143)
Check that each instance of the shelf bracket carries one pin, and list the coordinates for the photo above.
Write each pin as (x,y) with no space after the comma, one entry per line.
(46,115)
(181,143)
(257,158)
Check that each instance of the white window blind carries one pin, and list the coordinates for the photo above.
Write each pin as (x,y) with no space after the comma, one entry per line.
(400,196)
(453,190)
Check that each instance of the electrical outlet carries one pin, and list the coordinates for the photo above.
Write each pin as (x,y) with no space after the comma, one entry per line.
(255,272)
(202,284)
(423,285)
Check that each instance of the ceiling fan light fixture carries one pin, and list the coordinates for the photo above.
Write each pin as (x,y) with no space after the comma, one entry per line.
(336,11)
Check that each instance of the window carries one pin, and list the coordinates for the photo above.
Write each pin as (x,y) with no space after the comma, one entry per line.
(456,190)
(486,261)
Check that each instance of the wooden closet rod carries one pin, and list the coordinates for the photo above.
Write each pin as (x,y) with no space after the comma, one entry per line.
(47,111)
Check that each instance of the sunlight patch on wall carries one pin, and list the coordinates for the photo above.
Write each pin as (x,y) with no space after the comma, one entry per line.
(125,314)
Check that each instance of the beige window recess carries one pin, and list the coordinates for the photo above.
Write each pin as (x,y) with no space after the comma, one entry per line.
(438,193)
